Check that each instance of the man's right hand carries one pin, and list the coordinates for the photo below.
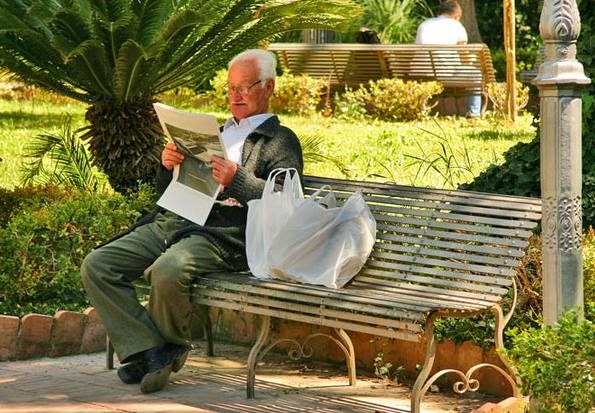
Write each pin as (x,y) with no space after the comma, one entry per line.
(170,156)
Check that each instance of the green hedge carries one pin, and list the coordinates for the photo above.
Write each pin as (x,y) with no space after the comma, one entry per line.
(44,235)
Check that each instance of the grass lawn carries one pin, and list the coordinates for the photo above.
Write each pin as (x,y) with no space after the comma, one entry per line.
(452,150)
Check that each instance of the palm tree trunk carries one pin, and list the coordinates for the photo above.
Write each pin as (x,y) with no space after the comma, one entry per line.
(125,141)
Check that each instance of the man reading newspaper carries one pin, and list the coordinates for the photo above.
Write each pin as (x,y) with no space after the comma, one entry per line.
(170,251)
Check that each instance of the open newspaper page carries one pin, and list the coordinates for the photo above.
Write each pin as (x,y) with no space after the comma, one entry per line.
(192,190)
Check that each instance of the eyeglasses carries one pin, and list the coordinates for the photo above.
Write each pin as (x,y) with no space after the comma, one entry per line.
(242,90)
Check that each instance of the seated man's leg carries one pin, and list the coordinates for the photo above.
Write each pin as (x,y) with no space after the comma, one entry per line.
(107,274)
(474,106)
(171,276)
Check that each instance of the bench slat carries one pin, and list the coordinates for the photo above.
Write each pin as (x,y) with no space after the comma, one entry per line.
(453,231)
(466,288)
(326,297)
(288,315)
(375,318)
(445,253)
(419,239)
(435,298)
(403,271)
(484,269)
(445,195)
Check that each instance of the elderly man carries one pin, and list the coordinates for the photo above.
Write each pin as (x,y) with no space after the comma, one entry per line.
(170,251)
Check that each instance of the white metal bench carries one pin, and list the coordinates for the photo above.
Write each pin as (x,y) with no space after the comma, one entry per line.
(439,253)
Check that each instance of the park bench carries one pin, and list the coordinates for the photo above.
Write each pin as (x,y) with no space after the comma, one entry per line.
(438,253)
(463,70)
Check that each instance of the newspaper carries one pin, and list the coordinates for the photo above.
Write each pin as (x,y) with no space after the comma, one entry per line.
(192,190)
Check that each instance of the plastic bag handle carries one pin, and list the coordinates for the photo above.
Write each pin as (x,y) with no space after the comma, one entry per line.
(269,186)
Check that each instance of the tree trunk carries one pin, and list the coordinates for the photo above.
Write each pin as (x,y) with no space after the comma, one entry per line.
(125,142)
(469,20)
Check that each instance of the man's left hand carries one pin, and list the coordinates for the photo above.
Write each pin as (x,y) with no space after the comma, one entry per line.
(224,170)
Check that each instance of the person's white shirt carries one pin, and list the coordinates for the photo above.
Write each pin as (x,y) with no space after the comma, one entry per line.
(441,30)
(234,134)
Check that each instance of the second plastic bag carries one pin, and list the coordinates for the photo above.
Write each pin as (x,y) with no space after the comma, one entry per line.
(324,245)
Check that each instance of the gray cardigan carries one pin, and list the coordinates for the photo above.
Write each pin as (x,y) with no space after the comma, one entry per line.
(268,147)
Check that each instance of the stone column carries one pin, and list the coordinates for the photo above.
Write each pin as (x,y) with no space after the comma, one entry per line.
(560,79)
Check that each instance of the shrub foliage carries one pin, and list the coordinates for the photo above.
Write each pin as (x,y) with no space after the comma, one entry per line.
(44,237)
(389,99)
(556,364)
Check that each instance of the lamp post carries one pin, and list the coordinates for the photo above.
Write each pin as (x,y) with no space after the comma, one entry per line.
(560,79)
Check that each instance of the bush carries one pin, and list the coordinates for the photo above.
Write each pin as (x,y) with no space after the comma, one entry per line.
(390,99)
(555,364)
(43,244)
(497,95)
(296,94)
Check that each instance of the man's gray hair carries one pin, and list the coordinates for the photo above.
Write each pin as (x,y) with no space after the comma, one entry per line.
(265,61)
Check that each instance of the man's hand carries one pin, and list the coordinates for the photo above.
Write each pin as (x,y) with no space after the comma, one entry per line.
(224,170)
(170,156)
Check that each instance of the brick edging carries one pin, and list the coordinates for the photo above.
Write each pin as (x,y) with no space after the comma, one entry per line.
(37,335)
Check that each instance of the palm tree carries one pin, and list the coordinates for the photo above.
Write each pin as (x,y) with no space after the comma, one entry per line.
(117,55)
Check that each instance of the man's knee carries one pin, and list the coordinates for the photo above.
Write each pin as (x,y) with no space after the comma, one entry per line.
(88,268)
(169,271)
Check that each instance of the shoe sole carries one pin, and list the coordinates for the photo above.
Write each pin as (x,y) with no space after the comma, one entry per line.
(156,380)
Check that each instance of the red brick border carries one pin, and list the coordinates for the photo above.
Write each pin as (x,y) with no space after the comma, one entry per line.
(37,335)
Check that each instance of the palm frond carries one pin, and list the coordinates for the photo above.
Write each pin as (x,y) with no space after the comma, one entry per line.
(312,152)
(130,68)
(60,159)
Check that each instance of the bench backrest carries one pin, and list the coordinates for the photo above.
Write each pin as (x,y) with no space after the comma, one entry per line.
(344,64)
(442,249)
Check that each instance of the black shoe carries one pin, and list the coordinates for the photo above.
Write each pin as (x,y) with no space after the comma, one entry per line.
(132,373)
(160,362)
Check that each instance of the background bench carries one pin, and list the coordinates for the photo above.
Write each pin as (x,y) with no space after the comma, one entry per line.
(463,70)
(438,253)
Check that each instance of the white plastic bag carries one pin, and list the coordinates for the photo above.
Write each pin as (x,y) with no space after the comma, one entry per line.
(324,246)
(266,217)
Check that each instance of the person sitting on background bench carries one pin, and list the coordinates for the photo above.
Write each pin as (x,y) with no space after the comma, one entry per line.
(447,29)
(170,251)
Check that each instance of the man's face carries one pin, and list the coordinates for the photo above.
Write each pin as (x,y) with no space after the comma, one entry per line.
(247,95)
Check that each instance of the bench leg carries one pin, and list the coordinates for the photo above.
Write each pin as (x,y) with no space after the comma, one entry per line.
(418,388)
(253,358)
(109,354)
(349,354)
(207,328)
(466,383)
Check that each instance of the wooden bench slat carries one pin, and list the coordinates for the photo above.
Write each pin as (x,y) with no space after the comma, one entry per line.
(504,254)
(454,231)
(369,318)
(417,249)
(404,271)
(473,287)
(510,223)
(288,315)
(445,195)
(334,298)
(435,298)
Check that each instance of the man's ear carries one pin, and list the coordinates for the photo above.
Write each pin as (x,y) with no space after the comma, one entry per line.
(270,86)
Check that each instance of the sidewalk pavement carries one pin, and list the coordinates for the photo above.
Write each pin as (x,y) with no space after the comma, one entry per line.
(81,384)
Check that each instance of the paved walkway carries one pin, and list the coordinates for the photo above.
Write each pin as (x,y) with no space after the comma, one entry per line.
(81,384)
